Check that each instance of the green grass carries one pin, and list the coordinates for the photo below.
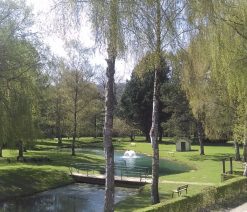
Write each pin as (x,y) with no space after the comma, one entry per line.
(15,177)
(204,169)
(21,179)
(24,180)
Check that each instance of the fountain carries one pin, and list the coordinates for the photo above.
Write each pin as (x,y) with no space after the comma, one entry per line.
(129,154)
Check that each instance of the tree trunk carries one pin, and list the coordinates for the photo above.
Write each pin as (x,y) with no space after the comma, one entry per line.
(108,125)
(132,136)
(147,137)
(75,112)
(245,170)
(73,145)
(20,147)
(200,137)
(59,141)
(75,119)
(160,133)
(58,122)
(154,141)
(245,151)
(154,131)
(1,150)
(237,153)
(95,127)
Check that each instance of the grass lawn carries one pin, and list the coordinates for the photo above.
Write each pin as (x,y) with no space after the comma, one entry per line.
(18,178)
(205,171)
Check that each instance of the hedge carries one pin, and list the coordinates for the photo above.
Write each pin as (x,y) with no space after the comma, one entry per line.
(207,197)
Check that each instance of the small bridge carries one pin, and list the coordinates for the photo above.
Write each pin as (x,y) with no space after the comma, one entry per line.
(124,176)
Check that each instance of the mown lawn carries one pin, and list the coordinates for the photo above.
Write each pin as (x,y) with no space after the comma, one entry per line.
(205,171)
(17,178)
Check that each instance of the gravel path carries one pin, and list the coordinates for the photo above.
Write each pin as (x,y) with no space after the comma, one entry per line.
(189,183)
(241,208)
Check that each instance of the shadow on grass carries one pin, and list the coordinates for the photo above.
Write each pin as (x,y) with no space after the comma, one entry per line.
(65,158)
(52,158)
(141,200)
(168,167)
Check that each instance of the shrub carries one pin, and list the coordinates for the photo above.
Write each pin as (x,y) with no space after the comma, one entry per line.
(207,197)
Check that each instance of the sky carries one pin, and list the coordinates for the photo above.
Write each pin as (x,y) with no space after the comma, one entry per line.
(41,10)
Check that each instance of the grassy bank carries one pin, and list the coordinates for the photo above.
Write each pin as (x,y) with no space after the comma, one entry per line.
(22,180)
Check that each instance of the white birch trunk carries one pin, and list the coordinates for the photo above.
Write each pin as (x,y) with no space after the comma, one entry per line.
(155,145)
(108,147)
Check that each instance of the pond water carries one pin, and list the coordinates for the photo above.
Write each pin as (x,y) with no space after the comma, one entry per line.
(74,198)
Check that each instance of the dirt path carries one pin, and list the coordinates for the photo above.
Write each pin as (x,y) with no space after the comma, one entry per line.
(189,183)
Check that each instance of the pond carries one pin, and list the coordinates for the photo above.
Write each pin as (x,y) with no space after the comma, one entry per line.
(140,160)
(76,198)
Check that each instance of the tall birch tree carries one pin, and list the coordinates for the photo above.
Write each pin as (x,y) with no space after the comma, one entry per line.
(155,25)
(106,17)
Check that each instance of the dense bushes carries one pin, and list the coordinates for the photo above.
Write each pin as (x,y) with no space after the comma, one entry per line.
(208,197)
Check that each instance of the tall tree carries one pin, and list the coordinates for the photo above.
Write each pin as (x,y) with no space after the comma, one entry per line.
(156,25)
(58,111)
(181,123)
(220,36)
(107,18)
(80,95)
(137,97)
(20,66)
(76,78)
(4,128)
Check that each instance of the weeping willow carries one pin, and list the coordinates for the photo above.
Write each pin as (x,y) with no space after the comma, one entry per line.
(215,72)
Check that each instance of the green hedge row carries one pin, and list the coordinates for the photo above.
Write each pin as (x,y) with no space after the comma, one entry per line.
(207,197)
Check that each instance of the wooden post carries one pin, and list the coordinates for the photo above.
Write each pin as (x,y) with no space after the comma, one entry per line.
(231,171)
(224,166)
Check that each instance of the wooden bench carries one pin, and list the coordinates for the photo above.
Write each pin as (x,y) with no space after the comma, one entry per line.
(180,189)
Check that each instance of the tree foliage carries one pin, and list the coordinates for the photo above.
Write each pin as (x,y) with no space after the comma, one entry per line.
(20,74)
(137,97)
(214,71)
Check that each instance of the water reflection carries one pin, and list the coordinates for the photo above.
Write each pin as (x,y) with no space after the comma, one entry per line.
(76,198)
